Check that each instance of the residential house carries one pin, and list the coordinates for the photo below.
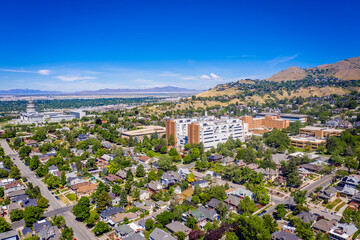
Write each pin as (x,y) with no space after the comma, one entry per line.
(154,186)
(135,236)
(144,195)
(159,234)
(15,193)
(284,235)
(183,172)
(124,231)
(232,202)
(307,217)
(13,206)
(343,231)
(106,215)
(122,174)
(328,193)
(19,198)
(215,158)
(30,202)
(13,186)
(86,190)
(48,233)
(268,174)
(26,232)
(324,225)
(144,159)
(9,235)
(120,217)
(202,215)
(176,226)
(227,160)
(6,181)
(242,193)
(53,169)
(170,178)
(83,137)
(111,178)
(201,183)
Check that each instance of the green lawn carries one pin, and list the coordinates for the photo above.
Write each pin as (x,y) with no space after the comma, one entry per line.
(334,203)
(71,196)
(340,206)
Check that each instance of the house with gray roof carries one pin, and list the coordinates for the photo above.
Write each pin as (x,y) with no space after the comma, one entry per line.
(9,235)
(159,234)
(108,213)
(39,225)
(48,233)
(307,217)
(135,236)
(323,225)
(343,231)
(328,193)
(284,235)
(123,231)
(178,227)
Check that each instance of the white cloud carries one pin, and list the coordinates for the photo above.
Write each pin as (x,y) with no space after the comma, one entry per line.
(44,72)
(74,78)
(41,72)
(214,76)
(281,59)
(205,77)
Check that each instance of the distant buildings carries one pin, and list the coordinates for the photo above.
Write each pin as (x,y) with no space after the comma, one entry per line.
(320,132)
(209,130)
(284,116)
(32,116)
(260,125)
(144,131)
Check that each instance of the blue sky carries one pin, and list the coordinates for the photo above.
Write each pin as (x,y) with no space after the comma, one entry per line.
(87,45)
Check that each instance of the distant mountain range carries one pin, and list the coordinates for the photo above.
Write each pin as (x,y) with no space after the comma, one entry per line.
(26,92)
(167,89)
(348,69)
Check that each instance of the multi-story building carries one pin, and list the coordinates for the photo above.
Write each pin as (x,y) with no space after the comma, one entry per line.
(303,142)
(266,122)
(320,132)
(208,130)
(285,116)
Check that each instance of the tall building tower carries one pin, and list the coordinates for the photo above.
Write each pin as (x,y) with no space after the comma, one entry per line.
(30,107)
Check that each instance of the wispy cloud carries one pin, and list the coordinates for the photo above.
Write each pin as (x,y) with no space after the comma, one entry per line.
(41,72)
(211,76)
(282,59)
(74,78)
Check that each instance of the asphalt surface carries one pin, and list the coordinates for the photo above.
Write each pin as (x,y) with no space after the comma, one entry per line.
(81,232)
(323,182)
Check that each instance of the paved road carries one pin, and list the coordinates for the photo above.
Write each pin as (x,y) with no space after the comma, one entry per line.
(58,211)
(80,230)
(323,182)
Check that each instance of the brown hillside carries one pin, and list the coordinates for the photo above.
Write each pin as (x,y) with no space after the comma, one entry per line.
(348,69)
(290,74)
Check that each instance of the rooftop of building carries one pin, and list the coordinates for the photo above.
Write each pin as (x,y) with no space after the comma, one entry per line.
(145,130)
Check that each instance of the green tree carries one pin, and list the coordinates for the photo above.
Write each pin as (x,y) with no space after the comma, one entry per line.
(82,209)
(165,217)
(123,198)
(63,179)
(252,227)
(270,223)
(247,205)
(299,196)
(116,189)
(231,236)
(93,218)
(16,215)
(149,224)
(101,228)
(191,222)
(303,230)
(15,173)
(32,214)
(140,171)
(53,182)
(280,211)
(43,202)
(67,234)
(102,201)
(171,140)
(4,225)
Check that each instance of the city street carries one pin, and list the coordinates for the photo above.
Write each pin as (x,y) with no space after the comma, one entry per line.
(80,230)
